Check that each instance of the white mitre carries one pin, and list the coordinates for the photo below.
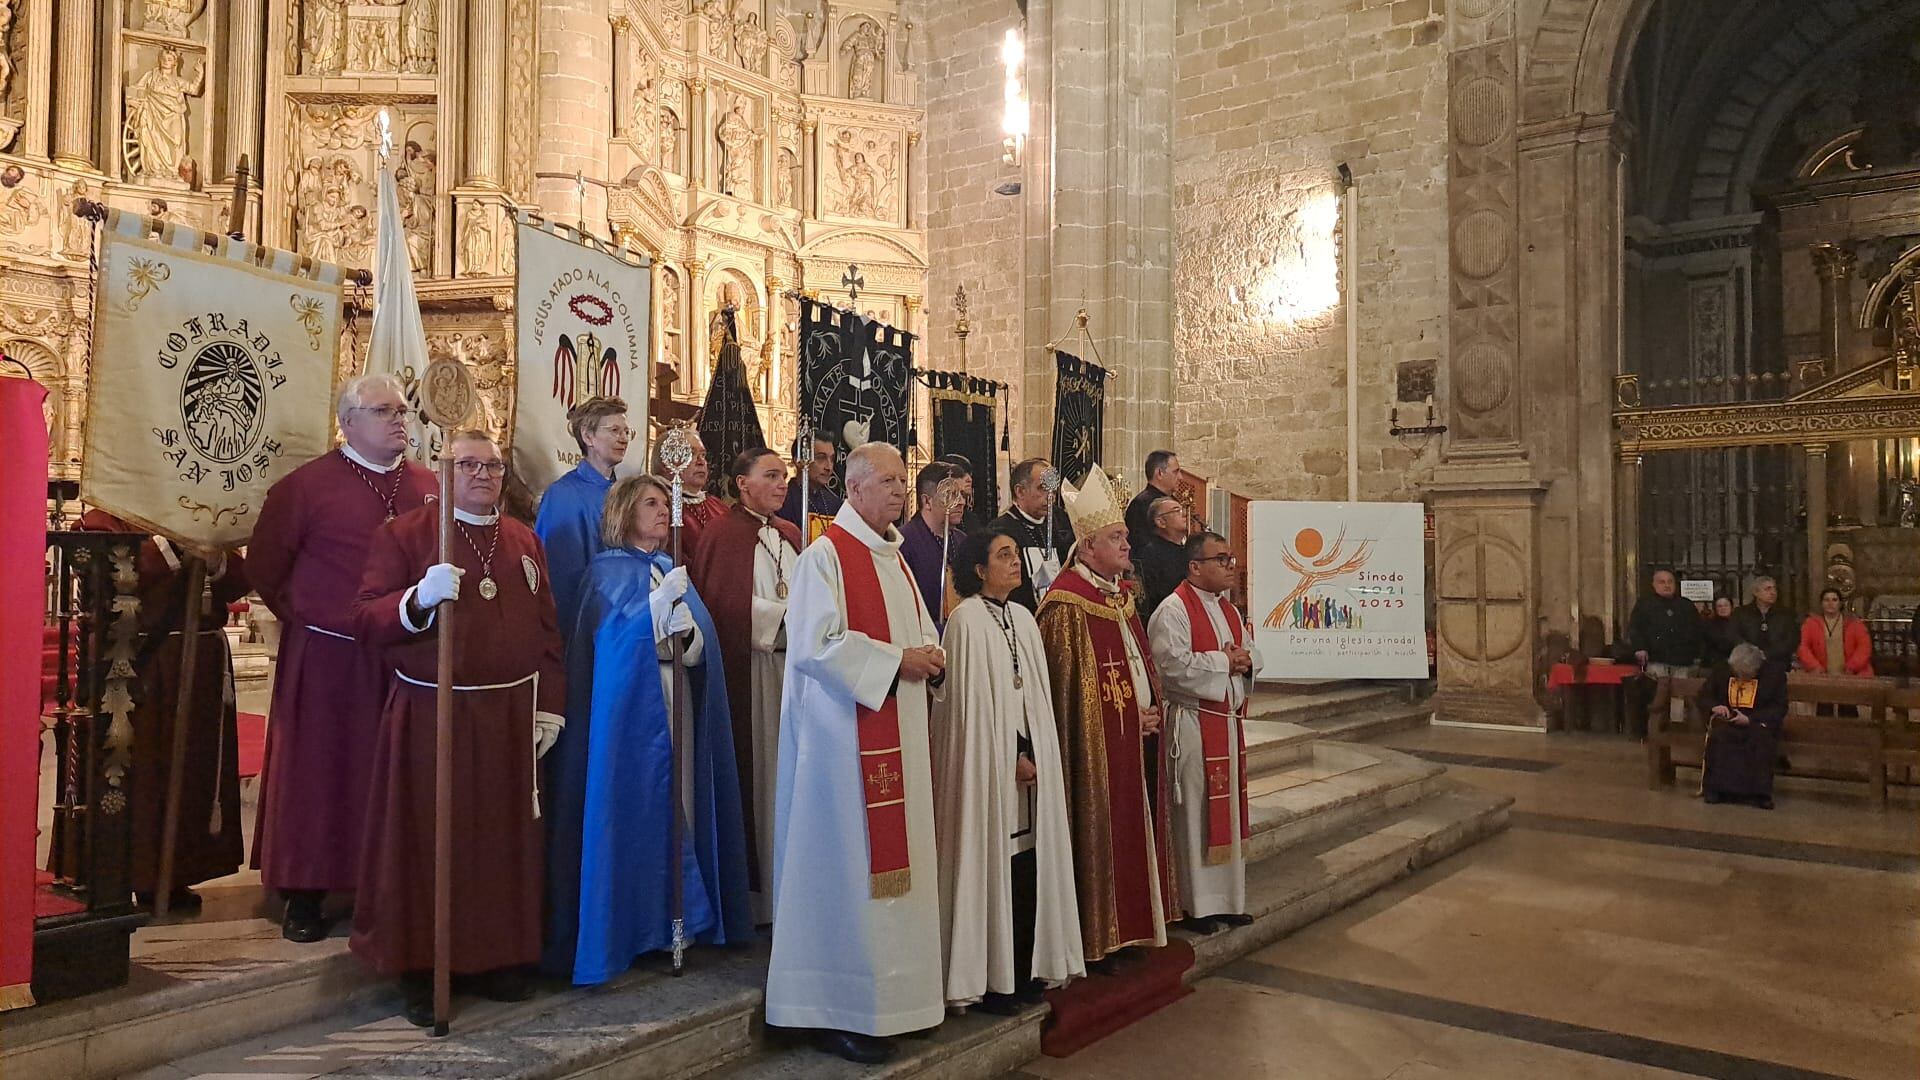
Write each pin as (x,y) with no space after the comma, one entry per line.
(1096,504)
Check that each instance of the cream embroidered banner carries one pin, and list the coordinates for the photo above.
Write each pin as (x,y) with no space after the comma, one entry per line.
(212,376)
(583,329)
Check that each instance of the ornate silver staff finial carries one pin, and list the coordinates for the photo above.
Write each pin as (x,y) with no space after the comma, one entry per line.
(1050,482)
(676,453)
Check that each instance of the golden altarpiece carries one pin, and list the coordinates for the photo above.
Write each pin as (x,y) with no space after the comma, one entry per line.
(754,148)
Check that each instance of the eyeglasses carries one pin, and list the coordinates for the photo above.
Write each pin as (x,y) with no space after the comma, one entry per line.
(385,412)
(615,432)
(476,468)
(1227,560)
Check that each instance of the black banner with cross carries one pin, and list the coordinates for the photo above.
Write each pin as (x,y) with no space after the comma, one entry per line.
(964,409)
(729,423)
(855,375)
(1079,416)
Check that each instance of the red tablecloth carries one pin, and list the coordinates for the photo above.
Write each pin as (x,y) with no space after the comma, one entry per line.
(1597,675)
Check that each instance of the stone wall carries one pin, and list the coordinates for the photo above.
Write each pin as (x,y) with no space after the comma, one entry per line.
(1271,96)
(973,234)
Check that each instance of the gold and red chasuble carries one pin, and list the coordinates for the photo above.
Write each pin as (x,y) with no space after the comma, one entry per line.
(881,767)
(1213,733)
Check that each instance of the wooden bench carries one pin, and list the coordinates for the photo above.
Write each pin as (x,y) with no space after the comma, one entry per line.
(1881,732)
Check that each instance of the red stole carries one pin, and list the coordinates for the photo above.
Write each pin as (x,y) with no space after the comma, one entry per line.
(882,769)
(1213,732)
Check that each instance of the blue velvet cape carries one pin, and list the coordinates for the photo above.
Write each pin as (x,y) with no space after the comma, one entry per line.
(608,795)
(569,528)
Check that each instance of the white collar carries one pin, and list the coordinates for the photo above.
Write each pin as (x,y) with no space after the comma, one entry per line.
(1105,586)
(692,496)
(475,519)
(1204,594)
(849,519)
(1029,520)
(764,520)
(354,456)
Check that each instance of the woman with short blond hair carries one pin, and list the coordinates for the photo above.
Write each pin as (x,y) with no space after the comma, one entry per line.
(569,521)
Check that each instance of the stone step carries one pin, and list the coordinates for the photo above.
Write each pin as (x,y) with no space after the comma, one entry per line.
(963,1048)
(194,986)
(1331,871)
(1275,744)
(1270,702)
(1359,726)
(1340,784)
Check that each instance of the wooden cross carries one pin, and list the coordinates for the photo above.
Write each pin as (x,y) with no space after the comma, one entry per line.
(853,283)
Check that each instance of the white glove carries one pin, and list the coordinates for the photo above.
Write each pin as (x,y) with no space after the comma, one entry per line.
(546,731)
(680,620)
(669,618)
(441,583)
(673,585)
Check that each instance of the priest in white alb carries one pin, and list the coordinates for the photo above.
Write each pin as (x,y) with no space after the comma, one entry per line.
(856,924)
(1204,650)
(1007,899)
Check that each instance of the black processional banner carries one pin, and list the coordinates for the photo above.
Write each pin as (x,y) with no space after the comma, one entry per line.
(1079,415)
(963,423)
(728,422)
(854,378)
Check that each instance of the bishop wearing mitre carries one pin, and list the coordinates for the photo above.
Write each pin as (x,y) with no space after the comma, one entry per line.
(856,925)
(1107,706)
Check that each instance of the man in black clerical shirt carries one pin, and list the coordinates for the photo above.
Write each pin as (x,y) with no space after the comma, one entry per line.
(1026,522)
(1163,479)
(1161,563)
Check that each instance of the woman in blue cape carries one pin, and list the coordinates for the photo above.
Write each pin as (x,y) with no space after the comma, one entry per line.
(609,777)
(568,524)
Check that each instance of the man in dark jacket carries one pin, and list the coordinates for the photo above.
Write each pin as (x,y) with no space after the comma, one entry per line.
(1161,564)
(1764,623)
(1664,631)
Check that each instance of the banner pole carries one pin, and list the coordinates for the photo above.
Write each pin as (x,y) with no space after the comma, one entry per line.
(196,584)
(676,453)
(443,774)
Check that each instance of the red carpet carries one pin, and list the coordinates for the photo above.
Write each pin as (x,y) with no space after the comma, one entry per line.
(48,903)
(1093,1008)
(253,743)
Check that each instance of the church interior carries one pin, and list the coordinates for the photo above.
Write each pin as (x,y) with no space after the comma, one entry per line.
(1605,287)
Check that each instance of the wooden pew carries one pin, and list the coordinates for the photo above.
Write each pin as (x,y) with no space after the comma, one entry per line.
(1881,734)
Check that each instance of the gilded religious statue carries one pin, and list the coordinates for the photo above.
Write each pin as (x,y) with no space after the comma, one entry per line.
(171,16)
(476,242)
(323,34)
(750,41)
(865,48)
(645,98)
(413,183)
(669,140)
(154,140)
(738,142)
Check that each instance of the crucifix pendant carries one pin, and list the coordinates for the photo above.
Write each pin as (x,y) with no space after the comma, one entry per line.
(780,590)
(488,590)
(389,515)
(1018,682)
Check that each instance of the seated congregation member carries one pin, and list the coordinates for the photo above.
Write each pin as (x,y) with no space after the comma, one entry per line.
(1161,563)
(569,520)
(1204,650)
(1834,642)
(856,930)
(743,569)
(1718,634)
(921,539)
(1745,700)
(206,836)
(611,774)
(1026,521)
(1006,861)
(509,690)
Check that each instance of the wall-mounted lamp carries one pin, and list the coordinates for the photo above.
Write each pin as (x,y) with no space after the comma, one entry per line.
(1013,114)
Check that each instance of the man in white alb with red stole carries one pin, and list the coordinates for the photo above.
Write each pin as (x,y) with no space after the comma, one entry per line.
(856,926)
(1106,704)
(1203,648)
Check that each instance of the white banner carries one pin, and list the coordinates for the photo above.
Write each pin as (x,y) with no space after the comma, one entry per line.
(1338,590)
(582,317)
(211,377)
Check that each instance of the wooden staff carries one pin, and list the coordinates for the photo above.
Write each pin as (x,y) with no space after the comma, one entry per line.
(676,453)
(447,397)
(196,569)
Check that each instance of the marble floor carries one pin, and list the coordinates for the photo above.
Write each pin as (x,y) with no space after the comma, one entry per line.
(1613,931)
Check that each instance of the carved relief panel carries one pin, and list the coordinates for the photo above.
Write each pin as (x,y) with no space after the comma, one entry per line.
(861,178)
(1483,191)
(379,37)
(336,147)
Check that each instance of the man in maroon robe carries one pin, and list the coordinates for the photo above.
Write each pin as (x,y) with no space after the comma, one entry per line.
(305,560)
(743,568)
(508,704)
(1106,702)
(207,841)
(702,507)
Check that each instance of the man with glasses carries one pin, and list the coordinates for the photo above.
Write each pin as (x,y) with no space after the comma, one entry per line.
(509,696)
(569,521)
(1161,561)
(305,561)
(1203,647)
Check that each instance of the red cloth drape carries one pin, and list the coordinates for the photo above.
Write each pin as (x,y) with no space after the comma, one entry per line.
(23,543)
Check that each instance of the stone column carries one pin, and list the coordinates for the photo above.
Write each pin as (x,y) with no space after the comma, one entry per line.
(1834,267)
(487,94)
(246,73)
(695,327)
(574,119)
(916,176)
(38,71)
(698,137)
(810,163)
(1626,491)
(1816,523)
(75,104)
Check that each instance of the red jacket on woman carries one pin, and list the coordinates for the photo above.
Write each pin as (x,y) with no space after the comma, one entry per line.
(1813,645)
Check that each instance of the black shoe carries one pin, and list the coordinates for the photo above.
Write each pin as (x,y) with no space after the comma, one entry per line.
(1203,925)
(1002,1005)
(304,931)
(1764,802)
(855,1047)
(1235,919)
(505,984)
(1712,797)
(418,993)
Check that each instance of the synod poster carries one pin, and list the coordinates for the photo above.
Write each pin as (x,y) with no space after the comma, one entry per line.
(582,321)
(211,377)
(1338,590)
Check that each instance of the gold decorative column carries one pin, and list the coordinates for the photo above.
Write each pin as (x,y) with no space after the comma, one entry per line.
(1816,523)
(809,178)
(1626,492)
(38,72)
(246,53)
(76,109)
(697,373)
(1834,267)
(915,166)
(486,93)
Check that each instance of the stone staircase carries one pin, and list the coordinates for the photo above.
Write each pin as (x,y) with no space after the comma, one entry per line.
(1333,820)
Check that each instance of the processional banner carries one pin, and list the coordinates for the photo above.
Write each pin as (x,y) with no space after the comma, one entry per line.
(1079,416)
(729,420)
(1338,590)
(963,423)
(582,322)
(855,378)
(212,376)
